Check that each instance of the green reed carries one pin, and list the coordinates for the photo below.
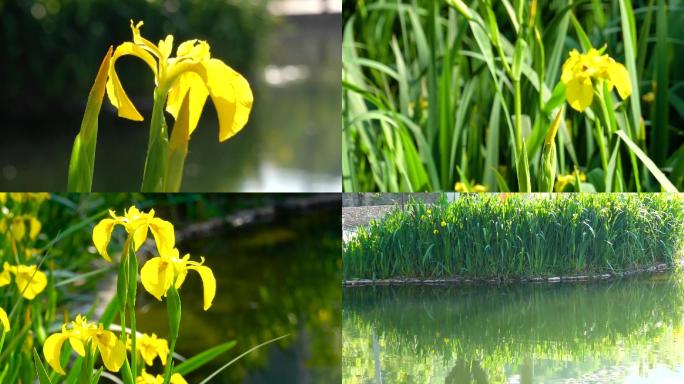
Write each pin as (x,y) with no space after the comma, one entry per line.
(437,92)
(509,236)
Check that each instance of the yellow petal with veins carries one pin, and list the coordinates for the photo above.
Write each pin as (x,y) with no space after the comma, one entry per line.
(157,276)
(164,234)
(102,234)
(231,95)
(112,350)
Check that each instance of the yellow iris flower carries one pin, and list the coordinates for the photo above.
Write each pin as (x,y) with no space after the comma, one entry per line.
(4,320)
(160,272)
(111,349)
(580,69)
(149,347)
(29,280)
(146,378)
(193,71)
(136,224)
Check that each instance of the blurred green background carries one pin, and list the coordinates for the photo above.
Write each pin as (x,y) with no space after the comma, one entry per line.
(277,263)
(288,50)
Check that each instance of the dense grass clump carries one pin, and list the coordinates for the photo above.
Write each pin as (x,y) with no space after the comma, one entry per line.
(509,236)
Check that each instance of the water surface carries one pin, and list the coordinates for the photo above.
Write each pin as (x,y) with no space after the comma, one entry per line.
(624,331)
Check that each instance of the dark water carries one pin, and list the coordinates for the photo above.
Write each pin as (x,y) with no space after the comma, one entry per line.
(291,143)
(628,331)
(276,279)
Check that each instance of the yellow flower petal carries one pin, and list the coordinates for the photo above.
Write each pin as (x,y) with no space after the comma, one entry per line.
(30,281)
(112,350)
(102,234)
(77,345)
(115,92)
(18,228)
(176,378)
(208,283)
(231,95)
(193,83)
(141,41)
(164,234)
(157,276)
(579,93)
(619,77)
(4,320)
(35,228)
(52,350)
(5,275)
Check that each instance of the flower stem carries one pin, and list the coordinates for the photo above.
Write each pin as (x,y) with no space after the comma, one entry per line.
(522,164)
(157,147)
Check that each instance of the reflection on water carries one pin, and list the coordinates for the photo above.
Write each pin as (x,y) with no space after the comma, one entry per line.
(291,143)
(272,280)
(627,331)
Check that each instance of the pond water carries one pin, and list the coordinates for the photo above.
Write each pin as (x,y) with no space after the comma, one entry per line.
(623,331)
(275,279)
(291,143)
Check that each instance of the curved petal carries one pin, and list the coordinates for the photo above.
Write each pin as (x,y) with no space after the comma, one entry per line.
(115,92)
(112,349)
(231,95)
(193,83)
(164,234)
(4,320)
(579,93)
(77,345)
(18,228)
(156,276)
(52,349)
(143,42)
(102,234)
(5,277)
(139,235)
(208,283)
(619,77)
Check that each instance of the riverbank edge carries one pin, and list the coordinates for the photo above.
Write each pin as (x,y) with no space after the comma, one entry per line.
(460,280)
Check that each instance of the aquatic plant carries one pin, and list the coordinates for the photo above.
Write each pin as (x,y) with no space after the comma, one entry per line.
(32,300)
(438,94)
(518,235)
(182,85)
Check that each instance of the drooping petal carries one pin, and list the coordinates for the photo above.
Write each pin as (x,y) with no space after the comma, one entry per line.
(102,235)
(30,281)
(157,276)
(139,235)
(52,350)
(112,349)
(4,320)
(208,283)
(35,228)
(579,93)
(115,92)
(164,234)
(231,95)
(18,228)
(619,77)
(77,345)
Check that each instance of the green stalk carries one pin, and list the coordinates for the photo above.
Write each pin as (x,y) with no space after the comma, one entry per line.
(522,163)
(132,290)
(173,308)
(157,147)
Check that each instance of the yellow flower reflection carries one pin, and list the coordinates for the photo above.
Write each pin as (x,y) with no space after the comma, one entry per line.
(136,224)
(149,347)
(192,72)
(580,69)
(146,378)
(111,349)
(160,272)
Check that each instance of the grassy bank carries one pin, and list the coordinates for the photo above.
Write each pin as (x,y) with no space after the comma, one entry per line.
(513,236)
